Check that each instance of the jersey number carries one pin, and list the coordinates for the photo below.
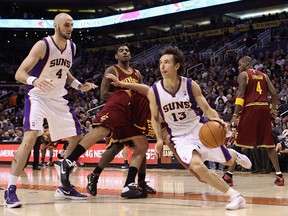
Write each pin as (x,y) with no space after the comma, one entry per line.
(258,88)
(59,74)
(178,116)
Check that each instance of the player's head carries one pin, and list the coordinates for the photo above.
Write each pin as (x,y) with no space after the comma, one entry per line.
(172,59)
(122,53)
(63,25)
(245,63)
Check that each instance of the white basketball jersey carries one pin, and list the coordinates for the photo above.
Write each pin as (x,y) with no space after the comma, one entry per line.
(179,110)
(54,66)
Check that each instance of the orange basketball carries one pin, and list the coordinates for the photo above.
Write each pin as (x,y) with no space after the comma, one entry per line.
(212,134)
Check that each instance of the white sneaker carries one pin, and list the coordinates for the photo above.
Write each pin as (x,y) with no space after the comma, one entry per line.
(237,201)
(242,160)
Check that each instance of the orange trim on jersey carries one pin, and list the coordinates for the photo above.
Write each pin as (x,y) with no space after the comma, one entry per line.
(257,104)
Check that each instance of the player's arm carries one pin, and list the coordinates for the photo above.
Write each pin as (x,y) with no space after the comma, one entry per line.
(202,103)
(273,93)
(142,88)
(240,94)
(139,76)
(106,84)
(155,122)
(76,84)
(22,74)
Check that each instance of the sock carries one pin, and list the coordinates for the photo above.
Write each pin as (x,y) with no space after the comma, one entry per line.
(141,177)
(230,174)
(97,171)
(279,174)
(77,152)
(12,180)
(132,172)
(231,191)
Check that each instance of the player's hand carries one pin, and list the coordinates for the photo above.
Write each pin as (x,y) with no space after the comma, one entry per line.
(221,122)
(158,148)
(44,84)
(87,86)
(115,81)
(234,122)
(274,113)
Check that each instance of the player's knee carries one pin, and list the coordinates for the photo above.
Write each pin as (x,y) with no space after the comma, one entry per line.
(198,167)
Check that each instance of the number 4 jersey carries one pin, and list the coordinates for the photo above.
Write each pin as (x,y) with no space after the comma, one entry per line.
(179,110)
(54,66)
(256,89)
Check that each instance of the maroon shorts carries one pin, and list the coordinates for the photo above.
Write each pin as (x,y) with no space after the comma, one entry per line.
(117,111)
(254,128)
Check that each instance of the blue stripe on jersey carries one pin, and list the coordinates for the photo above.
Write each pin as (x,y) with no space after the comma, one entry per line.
(73,51)
(38,68)
(160,110)
(226,153)
(192,99)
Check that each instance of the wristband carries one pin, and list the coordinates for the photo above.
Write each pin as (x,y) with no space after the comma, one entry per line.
(76,84)
(30,80)
(239,101)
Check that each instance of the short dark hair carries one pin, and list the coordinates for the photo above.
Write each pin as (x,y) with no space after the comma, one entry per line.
(120,45)
(178,58)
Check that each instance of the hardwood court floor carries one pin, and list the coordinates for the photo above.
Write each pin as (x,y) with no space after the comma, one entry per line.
(179,193)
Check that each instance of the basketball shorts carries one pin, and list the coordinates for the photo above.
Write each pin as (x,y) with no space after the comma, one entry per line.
(61,119)
(254,128)
(187,143)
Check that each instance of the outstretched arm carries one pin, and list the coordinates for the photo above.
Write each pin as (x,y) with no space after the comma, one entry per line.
(142,88)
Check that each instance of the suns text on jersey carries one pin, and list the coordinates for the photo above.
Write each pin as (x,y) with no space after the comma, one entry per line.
(176,105)
(61,62)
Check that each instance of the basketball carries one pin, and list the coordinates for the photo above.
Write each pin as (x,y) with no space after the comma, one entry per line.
(212,134)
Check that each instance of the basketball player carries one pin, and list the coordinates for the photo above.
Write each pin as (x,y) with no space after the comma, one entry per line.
(46,71)
(254,127)
(235,157)
(175,99)
(113,119)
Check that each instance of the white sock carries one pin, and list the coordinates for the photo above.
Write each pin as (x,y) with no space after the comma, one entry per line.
(231,191)
(12,180)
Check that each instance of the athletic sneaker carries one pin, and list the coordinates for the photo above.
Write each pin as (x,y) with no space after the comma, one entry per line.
(62,193)
(11,199)
(131,191)
(242,160)
(63,168)
(143,186)
(92,184)
(237,201)
(228,179)
(279,181)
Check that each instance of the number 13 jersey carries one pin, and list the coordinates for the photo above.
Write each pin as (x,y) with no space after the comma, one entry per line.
(179,110)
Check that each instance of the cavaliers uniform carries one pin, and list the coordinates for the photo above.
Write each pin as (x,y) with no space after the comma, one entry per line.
(181,115)
(51,104)
(254,127)
(117,113)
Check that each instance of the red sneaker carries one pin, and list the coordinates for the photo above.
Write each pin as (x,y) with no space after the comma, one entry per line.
(228,180)
(279,181)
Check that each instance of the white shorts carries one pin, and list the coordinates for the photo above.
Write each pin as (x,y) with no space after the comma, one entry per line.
(62,120)
(186,144)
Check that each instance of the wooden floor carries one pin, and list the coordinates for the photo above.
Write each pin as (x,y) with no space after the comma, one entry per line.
(179,193)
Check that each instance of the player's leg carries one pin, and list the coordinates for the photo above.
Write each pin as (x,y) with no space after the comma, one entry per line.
(18,164)
(125,157)
(130,189)
(213,179)
(106,158)
(142,184)
(274,159)
(64,166)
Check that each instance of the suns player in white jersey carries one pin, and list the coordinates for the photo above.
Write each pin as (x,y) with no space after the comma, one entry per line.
(175,100)
(46,71)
